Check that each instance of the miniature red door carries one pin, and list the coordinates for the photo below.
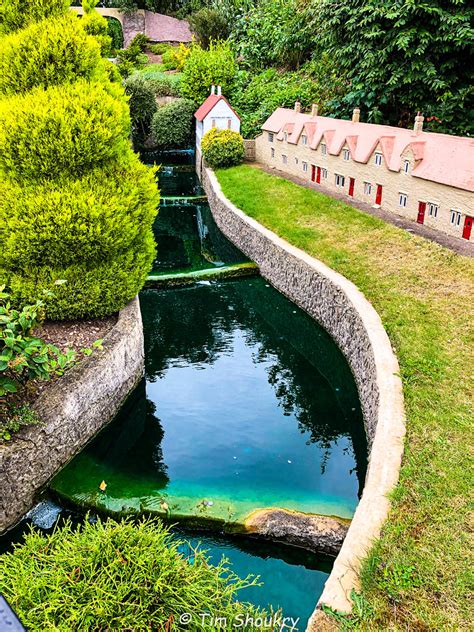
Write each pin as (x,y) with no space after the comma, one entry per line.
(351,186)
(378,196)
(318,175)
(421,212)
(466,231)
(313,173)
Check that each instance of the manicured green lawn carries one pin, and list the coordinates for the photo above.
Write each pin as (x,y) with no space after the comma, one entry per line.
(419,575)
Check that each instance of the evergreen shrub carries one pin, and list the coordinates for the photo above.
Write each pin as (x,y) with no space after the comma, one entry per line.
(47,53)
(16,14)
(63,130)
(87,238)
(222,148)
(142,103)
(172,124)
(96,25)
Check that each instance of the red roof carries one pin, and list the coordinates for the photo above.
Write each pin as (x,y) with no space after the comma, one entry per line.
(209,104)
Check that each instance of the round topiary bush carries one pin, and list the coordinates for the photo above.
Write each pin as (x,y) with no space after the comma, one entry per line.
(222,148)
(88,239)
(48,53)
(63,130)
(120,576)
(172,125)
(142,103)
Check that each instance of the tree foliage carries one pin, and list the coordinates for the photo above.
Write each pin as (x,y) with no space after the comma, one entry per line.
(402,56)
(209,25)
(222,148)
(172,124)
(142,103)
(206,67)
(47,53)
(16,14)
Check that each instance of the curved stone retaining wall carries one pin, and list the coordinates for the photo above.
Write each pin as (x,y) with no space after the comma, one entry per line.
(354,324)
(73,410)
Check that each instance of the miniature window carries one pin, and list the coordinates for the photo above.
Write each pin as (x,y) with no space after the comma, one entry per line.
(367,188)
(304,140)
(285,135)
(284,159)
(271,137)
(340,180)
(323,149)
(433,209)
(273,152)
(324,173)
(455,217)
(346,154)
(402,199)
(305,167)
(378,159)
(213,122)
(406,166)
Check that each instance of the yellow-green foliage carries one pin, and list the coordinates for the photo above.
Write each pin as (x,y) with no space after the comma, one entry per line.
(16,14)
(96,25)
(93,218)
(63,130)
(50,52)
(222,148)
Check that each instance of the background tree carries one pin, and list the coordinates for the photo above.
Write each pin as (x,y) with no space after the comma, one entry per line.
(402,56)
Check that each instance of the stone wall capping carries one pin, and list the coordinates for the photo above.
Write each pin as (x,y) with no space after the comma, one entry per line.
(72,411)
(338,305)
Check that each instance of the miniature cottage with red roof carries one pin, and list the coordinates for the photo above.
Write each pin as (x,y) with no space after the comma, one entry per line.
(423,176)
(216,111)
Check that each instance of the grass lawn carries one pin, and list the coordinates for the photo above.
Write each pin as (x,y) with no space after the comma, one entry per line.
(419,575)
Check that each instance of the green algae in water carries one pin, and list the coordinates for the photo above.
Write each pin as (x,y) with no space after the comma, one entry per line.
(247,404)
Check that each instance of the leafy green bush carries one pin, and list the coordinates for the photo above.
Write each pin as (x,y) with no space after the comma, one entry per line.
(15,417)
(140,41)
(23,356)
(115,32)
(169,60)
(142,104)
(121,576)
(16,14)
(66,129)
(47,53)
(90,238)
(209,25)
(206,67)
(222,148)
(172,124)
(131,59)
(159,49)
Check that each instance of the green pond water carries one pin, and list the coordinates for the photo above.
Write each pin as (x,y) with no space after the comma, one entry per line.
(246,403)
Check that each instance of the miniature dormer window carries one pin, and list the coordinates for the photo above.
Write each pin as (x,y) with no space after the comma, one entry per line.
(304,140)
(346,154)
(406,166)
(323,149)
(378,159)
(285,135)
(271,137)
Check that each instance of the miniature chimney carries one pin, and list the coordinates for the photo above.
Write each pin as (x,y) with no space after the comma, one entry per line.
(356,115)
(219,91)
(418,127)
(314,109)
(297,107)
(213,89)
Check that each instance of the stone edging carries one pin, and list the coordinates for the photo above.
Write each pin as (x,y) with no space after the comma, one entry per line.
(345,313)
(73,410)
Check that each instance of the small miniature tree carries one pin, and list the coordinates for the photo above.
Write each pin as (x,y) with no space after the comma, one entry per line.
(222,148)
(142,104)
(209,25)
(172,124)
(96,25)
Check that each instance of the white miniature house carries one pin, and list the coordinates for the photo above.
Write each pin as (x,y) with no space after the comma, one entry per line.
(216,111)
